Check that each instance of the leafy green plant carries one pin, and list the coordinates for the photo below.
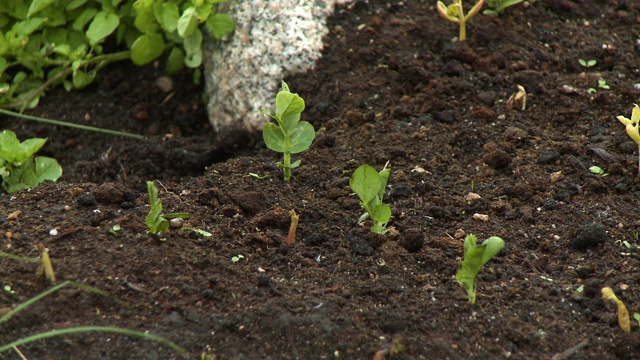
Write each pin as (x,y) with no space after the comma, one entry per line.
(75,330)
(587,63)
(47,42)
(156,221)
(455,14)
(370,186)
(498,6)
(288,135)
(18,167)
(475,256)
(632,128)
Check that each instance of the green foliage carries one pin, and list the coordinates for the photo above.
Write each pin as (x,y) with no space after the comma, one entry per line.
(18,167)
(498,6)
(156,221)
(288,135)
(49,42)
(454,13)
(475,256)
(370,186)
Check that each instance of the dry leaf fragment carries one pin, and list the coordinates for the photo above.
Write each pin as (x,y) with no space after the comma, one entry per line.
(47,268)
(623,313)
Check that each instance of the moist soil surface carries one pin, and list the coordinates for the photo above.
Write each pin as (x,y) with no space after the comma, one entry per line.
(392,86)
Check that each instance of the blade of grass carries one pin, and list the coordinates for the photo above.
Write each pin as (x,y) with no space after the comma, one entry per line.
(81,329)
(49,291)
(18,257)
(68,124)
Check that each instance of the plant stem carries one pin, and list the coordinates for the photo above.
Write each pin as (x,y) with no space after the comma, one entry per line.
(68,124)
(286,166)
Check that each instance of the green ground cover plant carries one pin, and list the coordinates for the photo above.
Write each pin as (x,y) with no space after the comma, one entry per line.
(44,43)
(18,166)
(475,256)
(370,186)
(288,135)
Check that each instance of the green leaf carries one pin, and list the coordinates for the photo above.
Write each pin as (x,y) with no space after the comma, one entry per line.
(167,14)
(220,26)
(302,137)
(188,22)
(288,108)
(175,61)
(27,27)
(147,48)
(27,148)
(273,137)
(83,19)
(47,169)
(74,4)
(381,214)
(38,5)
(475,256)
(103,25)
(365,182)
(9,145)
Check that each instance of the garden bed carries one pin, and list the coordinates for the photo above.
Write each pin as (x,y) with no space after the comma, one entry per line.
(391,86)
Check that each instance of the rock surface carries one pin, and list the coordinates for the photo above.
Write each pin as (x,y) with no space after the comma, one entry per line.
(272,40)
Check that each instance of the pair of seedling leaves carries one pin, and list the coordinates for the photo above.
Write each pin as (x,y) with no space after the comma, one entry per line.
(18,167)
(475,256)
(370,186)
(288,135)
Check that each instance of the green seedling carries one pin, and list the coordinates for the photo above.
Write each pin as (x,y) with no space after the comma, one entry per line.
(498,6)
(637,317)
(156,221)
(370,186)
(598,170)
(602,84)
(236,258)
(587,63)
(45,43)
(475,256)
(114,229)
(8,289)
(632,128)
(455,14)
(592,91)
(288,135)
(18,166)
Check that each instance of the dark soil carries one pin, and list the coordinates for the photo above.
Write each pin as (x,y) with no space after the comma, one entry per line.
(392,86)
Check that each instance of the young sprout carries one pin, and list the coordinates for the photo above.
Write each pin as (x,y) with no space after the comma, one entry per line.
(46,268)
(288,135)
(632,128)
(292,229)
(587,63)
(623,313)
(518,99)
(602,84)
(475,256)
(370,186)
(455,14)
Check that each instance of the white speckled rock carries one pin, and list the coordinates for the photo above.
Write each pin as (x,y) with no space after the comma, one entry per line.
(273,39)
